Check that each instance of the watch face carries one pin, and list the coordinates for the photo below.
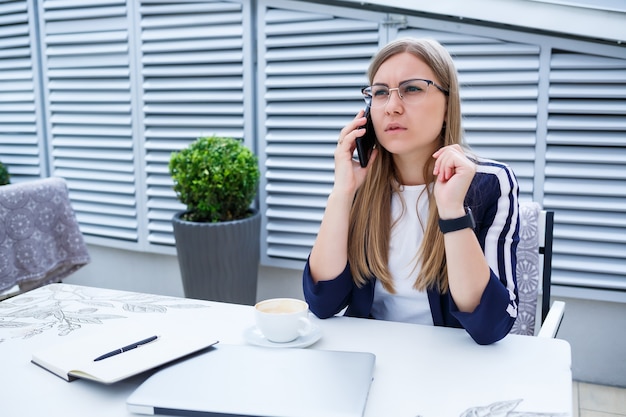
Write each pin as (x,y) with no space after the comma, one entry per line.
(452,225)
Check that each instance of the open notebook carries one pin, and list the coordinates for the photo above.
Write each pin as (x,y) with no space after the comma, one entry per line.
(232,380)
(97,355)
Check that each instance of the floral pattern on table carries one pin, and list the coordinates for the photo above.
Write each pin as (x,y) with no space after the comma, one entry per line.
(68,308)
(505,409)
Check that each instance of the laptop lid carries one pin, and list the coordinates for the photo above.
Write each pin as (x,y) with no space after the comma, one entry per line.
(234,380)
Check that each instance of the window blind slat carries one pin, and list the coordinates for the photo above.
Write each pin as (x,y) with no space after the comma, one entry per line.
(88,87)
(584,182)
(192,69)
(20,122)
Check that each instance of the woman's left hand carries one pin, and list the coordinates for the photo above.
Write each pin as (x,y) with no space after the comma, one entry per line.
(454,172)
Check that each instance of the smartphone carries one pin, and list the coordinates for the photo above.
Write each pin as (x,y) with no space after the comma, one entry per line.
(365,143)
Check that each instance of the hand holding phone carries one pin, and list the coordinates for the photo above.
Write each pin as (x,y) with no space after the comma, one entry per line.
(365,143)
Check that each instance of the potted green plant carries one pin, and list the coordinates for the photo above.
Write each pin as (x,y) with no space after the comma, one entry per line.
(5,178)
(218,235)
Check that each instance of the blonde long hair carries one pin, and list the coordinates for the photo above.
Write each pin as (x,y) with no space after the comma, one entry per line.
(370,216)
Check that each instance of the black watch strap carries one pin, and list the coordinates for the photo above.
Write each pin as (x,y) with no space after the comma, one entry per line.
(452,225)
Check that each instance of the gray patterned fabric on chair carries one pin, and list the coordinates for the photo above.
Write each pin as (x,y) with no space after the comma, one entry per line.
(528,268)
(40,241)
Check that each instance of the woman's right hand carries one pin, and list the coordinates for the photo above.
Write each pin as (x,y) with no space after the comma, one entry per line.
(330,251)
(349,175)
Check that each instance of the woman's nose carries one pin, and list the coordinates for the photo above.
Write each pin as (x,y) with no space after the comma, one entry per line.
(394,103)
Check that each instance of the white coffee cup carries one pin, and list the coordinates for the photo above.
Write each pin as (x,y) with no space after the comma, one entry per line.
(282,320)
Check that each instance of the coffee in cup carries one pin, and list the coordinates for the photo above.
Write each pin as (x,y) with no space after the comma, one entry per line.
(282,320)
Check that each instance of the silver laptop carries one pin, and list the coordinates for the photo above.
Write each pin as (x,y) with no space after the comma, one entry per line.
(250,381)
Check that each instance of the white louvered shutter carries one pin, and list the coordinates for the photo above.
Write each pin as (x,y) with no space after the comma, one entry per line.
(20,126)
(196,81)
(125,83)
(585,178)
(499,90)
(312,64)
(87,81)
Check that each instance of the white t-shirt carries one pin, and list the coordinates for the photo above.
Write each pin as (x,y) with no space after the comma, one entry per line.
(407,304)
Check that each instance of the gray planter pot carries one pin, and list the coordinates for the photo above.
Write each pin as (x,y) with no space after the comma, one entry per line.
(219,261)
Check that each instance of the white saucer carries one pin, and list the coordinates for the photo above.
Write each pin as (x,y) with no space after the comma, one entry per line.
(254,337)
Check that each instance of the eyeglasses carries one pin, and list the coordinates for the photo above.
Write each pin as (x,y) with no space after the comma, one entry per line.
(410,91)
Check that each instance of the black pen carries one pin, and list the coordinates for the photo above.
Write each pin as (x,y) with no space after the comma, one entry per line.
(126,348)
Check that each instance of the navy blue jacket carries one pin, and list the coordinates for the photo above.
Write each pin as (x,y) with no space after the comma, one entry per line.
(492,197)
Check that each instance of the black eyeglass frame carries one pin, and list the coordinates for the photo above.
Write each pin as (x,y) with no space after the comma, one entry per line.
(367,95)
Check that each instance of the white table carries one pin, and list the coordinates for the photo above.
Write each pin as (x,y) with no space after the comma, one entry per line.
(420,370)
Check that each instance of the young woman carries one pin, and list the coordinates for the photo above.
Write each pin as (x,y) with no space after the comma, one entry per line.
(426,232)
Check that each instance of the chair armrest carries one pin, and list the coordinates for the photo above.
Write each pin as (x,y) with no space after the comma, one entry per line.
(551,324)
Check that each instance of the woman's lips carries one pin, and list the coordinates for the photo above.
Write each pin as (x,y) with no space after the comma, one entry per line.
(393,127)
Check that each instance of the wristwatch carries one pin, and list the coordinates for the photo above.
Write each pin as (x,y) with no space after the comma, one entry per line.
(452,225)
